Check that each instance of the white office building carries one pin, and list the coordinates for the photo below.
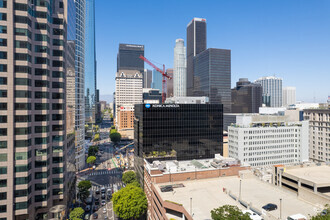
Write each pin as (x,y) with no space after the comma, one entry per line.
(271,91)
(129,85)
(180,69)
(263,140)
(289,96)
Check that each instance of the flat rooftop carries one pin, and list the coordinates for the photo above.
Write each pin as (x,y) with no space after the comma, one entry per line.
(315,174)
(208,194)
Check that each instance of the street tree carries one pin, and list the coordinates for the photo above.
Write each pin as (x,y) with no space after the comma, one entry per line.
(115,137)
(76,214)
(129,177)
(129,202)
(92,150)
(324,215)
(91,160)
(83,189)
(97,137)
(228,212)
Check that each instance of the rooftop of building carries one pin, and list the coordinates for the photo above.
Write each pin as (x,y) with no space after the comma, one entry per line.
(268,77)
(174,166)
(204,195)
(314,173)
(187,100)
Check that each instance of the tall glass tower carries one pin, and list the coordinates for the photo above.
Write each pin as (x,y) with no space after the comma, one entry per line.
(180,69)
(90,63)
(80,83)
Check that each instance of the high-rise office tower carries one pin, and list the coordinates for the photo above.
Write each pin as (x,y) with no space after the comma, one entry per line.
(271,91)
(289,96)
(33,143)
(147,78)
(169,83)
(80,83)
(180,69)
(196,43)
(128,57)
(90,63)
(157,80)
(212,76)
(246,97)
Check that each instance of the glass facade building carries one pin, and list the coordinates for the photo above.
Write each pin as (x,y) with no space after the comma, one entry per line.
(90,63)
(196,43)
(246,97)
(193,131)
(157,80)
(271,91)
(128,57)
(212,76)
(180,69)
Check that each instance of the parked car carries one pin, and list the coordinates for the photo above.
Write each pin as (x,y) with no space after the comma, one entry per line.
(97,203)
(95,208)
(103,196)
(95,216)
(97,191)
(270,207)
(103,202)
(103,189)
(87,208)
(105,217)
(87,216)
(97,199)
(166,189)
(297,217)
(104,210)
(252,215)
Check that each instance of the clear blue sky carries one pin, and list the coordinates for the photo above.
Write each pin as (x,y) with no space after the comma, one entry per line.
(288,38)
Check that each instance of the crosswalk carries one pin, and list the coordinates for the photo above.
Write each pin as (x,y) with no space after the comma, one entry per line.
(107,186)
(103,172)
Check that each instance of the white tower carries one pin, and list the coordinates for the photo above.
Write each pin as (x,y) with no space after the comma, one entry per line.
(180,69)
(289,96)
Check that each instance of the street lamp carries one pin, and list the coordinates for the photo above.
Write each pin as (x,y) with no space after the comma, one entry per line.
(280,208)
(240,189)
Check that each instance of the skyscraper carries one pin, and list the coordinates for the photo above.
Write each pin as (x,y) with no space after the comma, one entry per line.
(180,69)
(196,43)
(80,83)
(157,79)
(33,140)
(128,57)
(169,83)
(212,76)
(246,97)
(90,63)
(271,91)
(147,78)
(289,96)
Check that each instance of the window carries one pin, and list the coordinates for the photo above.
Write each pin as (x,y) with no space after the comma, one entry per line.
(22,44)
(3,118)
(41,129)
(20,7)
(23,32)
(3,55)
(21,156)
(58,74)
(42,95)
(57,159)
(41,106)
(21,168)
(61,5)
(57,63)
(21,205)
(3,208)
(57,170)
(22,19)
(3,183)
(40,152)
(3,67)
(3,4)
(57,138)
(41,49)
(3,106)
(22,94)
(22,118)
(57,106)
(3,93)
(41,60)
(23,57)
(3,144)
(22,81)
(57,42)
(3,170)
(40,198)
(41,37)
(56,53)
(57,85)
(57,117)
(42,3)
(21,180)
(57,95)
(3,42)
(22,106)
(38,164)
(22,143)
(40,186)
(58,31)
(41,26)
(57,181)
(3,132)
(41,72)
(40,14)
(40,175)
(58,128)
(22,69)
(21,193)
(41,83)
(3,29)
(57,149)
(3,157)
(22,131)
(3,195)
(41,117)
(3,16)
(3,80)
(41,140)
(57,21)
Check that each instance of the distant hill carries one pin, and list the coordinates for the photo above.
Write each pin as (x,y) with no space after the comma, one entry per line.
(107,98)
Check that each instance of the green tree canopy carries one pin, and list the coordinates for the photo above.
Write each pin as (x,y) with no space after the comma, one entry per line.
(83,189)
(92,150)
(113,130)
(129,202)
(77,213)
(97,137)
(91,160)
(115,137)
(324,215)
(129,177)
(228,212)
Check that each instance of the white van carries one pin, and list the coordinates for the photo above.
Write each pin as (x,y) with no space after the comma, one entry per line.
(297,217)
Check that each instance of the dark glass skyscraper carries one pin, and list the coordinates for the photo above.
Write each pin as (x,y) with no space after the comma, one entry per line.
(196,43)
(212,76)
(90,63)
(128,57)
(246,97)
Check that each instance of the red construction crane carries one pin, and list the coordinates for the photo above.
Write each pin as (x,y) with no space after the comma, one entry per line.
(164,74)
